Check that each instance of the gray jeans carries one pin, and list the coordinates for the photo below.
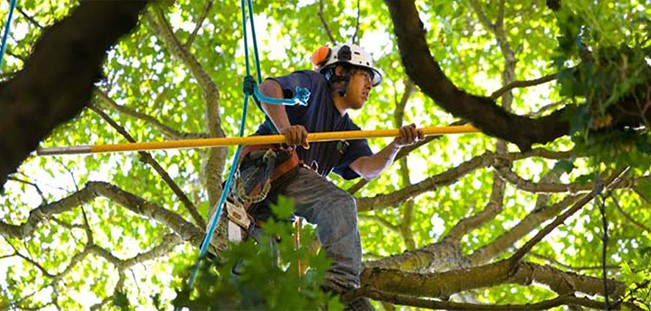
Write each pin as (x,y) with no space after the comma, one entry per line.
(334,212)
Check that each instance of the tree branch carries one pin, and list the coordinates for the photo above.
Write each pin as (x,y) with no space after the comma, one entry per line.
(29,183)
(440,285)
(106,101)
(570,267)
(29,18)
(519,84)
(359,12)
(215,160)
(381,221)
(186,230)
(541,187)
(57,80)
(627,216)
(325,24)
(449,177)
(464,226)
(482,112)
(440,256)
(611,183)
(560,301)
(407,213)
(483,19)
(202,18)
(524,227)
(146,157)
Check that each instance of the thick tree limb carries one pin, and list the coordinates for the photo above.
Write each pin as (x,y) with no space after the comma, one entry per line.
(404,300)
(215,159)
(482,112)
(440,285)
(449,177)
(57,79)
(138,205)
(433,257)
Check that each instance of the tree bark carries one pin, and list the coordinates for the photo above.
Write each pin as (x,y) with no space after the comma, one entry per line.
(57,80)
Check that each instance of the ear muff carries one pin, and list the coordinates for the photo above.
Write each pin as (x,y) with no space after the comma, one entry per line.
(320,57)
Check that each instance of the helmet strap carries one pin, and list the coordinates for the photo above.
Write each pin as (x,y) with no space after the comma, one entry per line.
(346,79)
(332,77)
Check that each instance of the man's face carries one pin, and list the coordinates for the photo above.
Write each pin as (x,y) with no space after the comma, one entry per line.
(359,88)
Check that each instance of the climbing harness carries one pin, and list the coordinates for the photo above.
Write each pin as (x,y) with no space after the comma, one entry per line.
(260,165)
(5,35)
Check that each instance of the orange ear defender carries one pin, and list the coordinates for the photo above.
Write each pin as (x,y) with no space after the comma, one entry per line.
(320,57)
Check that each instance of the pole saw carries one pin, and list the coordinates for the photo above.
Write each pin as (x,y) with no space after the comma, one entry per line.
(250,140)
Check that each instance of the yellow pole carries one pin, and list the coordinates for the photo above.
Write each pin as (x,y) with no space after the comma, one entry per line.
(249,140)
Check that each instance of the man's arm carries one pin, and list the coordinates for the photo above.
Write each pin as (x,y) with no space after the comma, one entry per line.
(294,134)
(370,167)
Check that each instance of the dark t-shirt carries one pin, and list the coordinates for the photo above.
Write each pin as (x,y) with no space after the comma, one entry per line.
(320,115)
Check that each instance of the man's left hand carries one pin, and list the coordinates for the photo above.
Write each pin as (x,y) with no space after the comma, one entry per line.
(409,135)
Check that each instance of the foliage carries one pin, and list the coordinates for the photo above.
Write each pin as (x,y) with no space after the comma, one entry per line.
(262,275)
(461,202)
(601,66)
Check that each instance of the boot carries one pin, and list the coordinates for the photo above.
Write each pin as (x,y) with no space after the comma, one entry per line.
(359,304)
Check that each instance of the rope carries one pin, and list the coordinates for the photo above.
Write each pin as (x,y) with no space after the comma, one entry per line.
(249,87)
(3,47)
(227,185)
(301,96)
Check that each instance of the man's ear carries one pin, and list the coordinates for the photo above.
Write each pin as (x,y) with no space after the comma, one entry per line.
(339,70)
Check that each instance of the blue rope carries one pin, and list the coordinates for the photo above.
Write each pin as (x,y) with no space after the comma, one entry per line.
(301,96)
(249,88)
(255,44)
(3,47)
(236,157)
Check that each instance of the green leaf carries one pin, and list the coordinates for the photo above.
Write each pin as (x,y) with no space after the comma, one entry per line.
(643,189)
(121,300)
(564,165)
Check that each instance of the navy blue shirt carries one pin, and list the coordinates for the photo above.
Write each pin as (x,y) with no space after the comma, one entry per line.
(320,115)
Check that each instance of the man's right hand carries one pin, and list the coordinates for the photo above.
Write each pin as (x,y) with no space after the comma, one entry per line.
(295,135)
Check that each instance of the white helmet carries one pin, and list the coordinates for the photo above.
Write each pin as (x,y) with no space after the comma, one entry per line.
(325,58)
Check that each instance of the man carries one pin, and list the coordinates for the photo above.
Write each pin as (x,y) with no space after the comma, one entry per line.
(344,79)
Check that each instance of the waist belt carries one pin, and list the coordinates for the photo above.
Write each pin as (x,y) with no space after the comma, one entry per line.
(260,165)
